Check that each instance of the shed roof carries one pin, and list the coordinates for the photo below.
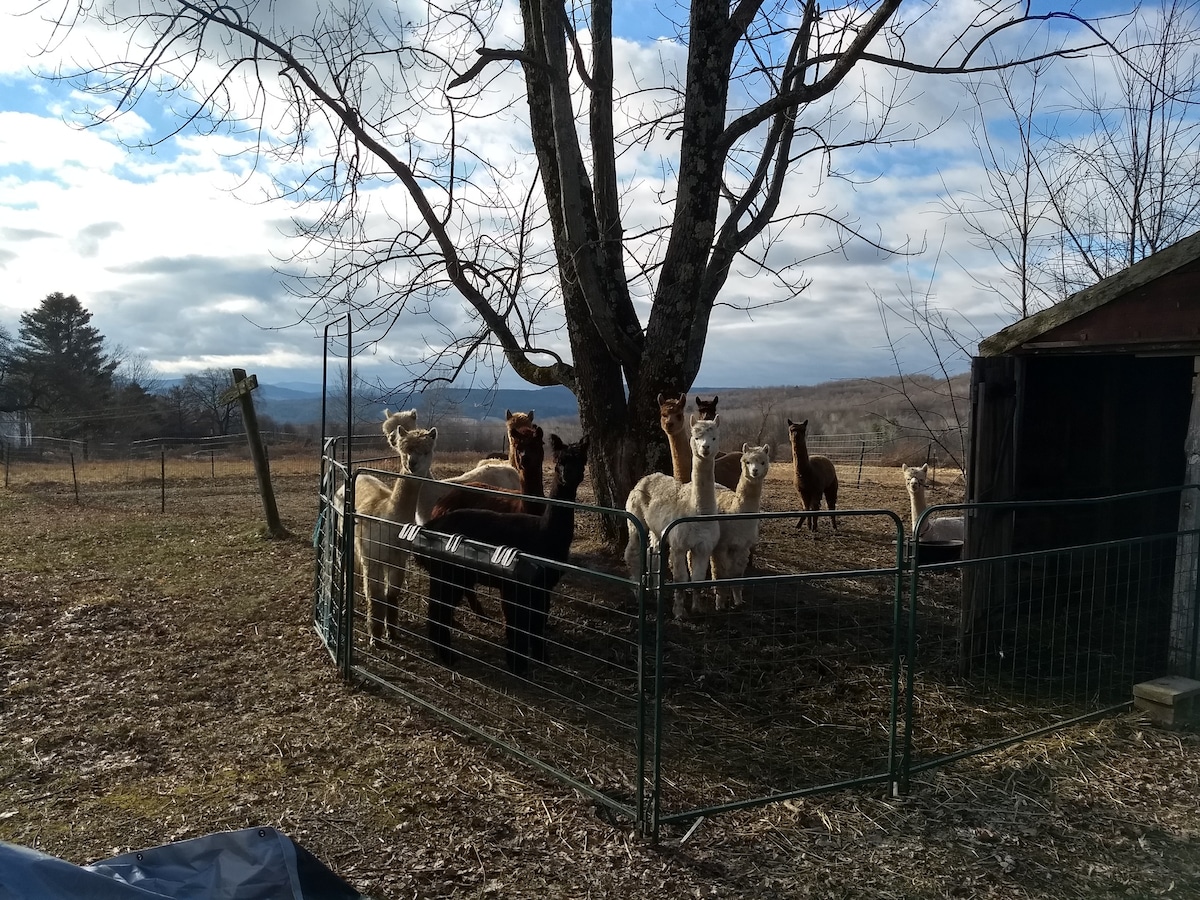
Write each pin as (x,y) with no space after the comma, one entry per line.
(1151,306)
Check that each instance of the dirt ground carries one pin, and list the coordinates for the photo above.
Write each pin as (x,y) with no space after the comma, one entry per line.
(162,680)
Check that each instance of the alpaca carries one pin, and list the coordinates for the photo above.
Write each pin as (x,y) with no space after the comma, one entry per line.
(738,536)
(940,528)
(525,603)
(529,451)
(513,422)
(815,476)
(397,423)
(657,500)
(670,420)
(378,508)
(707,409)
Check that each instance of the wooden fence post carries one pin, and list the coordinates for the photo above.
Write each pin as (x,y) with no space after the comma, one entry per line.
(242,386)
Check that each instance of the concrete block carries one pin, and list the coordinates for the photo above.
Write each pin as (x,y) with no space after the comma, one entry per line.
(1172,701)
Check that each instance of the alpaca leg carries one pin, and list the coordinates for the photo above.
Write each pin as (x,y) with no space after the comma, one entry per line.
(831,493)
(738,567)
(443,597)
(539,614)
(516,601)
(395,591)
(720,571)
(374,589)
(680,574)
(698,570)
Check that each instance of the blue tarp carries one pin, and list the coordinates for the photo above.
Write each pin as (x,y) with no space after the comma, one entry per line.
(251,864)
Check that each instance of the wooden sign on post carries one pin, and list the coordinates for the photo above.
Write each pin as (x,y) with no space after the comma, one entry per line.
(242,386)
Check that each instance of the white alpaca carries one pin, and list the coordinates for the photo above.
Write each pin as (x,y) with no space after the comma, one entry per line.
(939,528)
(379,557)
(739,536)
(657,500)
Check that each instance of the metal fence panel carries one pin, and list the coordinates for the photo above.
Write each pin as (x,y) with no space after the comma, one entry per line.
(579,716)
(745,697)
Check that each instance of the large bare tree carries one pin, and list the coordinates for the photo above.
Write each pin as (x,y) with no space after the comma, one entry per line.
(539,233)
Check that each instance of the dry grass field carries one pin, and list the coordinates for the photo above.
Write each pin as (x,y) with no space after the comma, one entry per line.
(161,679)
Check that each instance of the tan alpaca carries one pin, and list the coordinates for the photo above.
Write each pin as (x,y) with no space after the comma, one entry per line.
(514,422)
(670,420)
(398,423)
(379,508)
(815,476)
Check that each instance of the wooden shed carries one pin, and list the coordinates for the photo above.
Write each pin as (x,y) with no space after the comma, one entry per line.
(1093,397)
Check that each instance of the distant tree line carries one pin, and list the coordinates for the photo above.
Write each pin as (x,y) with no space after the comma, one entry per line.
(59,379)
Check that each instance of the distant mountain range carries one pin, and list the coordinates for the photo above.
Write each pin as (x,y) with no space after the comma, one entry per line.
(300,404)
(843,406)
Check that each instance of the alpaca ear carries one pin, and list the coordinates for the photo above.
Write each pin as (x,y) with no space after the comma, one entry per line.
(717,419)
(556,443)
(745,448)
(790,423)
(693,421)
(767,450)
(539,432)
(433,432)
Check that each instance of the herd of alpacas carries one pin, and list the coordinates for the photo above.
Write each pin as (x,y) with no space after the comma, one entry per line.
(512,512)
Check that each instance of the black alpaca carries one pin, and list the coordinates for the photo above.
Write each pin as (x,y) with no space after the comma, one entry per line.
(526,604)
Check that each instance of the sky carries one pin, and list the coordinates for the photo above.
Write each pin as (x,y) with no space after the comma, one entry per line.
(177,253)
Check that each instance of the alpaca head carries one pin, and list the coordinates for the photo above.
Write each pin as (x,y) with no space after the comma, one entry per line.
(416,450)
(756,461)
(397,423)
(707,409)
(706,437)
(670,413)
(797,431)
(516,420)
(914,478)
(529,448)
(570,461)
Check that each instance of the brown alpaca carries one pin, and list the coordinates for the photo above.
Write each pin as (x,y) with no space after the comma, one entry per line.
(728,468)
(670,419)
(815,475)
(514,421)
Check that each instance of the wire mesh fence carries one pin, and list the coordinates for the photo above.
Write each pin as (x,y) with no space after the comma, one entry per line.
(819,680)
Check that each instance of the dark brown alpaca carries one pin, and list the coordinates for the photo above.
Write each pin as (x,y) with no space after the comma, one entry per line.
(815,475)
(728,470)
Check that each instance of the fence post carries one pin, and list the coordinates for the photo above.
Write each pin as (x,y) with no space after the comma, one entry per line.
(242,386)
(162,478)
(74,478)
(862,455)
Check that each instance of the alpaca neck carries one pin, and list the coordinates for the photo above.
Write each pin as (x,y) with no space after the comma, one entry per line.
(704,486)
(681,455)
(405,494)
(800,458)
(749,494)
(916,496)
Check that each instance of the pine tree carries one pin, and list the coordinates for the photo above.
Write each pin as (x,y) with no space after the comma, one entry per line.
(64,377)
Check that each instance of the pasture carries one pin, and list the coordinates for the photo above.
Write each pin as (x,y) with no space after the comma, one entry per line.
(162,680)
